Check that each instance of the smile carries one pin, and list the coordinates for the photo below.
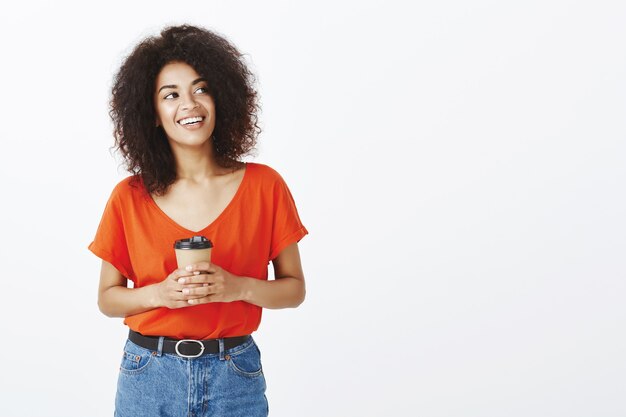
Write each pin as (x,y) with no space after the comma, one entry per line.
(190,120)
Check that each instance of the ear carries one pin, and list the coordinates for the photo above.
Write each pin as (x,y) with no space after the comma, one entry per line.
(158,122)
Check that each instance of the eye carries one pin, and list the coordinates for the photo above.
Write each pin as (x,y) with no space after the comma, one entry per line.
(170,95)
(201,90)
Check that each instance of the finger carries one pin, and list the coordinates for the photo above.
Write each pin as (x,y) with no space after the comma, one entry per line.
(198,279)
(181,294)
(197,292)
(179,273)
(193,286)
(179,304)
(178,296)
(187,278)
(200,266)
(202,300)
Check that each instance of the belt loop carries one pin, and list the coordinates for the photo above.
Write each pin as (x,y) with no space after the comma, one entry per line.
(160,347)
(221,343)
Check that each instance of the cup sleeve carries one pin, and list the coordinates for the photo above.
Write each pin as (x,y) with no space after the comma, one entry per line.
(110,243)
(287,228)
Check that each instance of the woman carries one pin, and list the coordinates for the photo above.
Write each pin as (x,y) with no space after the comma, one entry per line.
(185,112)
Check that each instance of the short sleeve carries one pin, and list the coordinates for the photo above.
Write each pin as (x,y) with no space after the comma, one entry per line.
(110,243)
(287,227)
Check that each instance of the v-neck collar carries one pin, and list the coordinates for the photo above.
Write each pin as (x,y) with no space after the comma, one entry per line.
(224,212)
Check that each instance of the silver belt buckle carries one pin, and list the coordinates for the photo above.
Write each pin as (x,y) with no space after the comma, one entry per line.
(189,340)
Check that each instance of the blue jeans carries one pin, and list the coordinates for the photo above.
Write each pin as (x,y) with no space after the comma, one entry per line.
(225,384)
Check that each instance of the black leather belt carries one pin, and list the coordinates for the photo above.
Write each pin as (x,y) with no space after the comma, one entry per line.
(187,348)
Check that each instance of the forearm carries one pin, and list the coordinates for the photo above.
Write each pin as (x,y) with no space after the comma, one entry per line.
(120,301)
(287,292)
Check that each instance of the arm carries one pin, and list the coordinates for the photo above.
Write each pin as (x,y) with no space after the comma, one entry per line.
(219,285)
(116,300)
(288,287)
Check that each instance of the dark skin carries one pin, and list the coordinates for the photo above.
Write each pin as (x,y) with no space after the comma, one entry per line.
(201,192)
(218,285)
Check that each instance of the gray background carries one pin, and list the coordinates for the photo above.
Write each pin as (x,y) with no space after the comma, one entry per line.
(459,165)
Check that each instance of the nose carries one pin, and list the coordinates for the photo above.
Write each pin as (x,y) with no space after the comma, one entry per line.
(189,102)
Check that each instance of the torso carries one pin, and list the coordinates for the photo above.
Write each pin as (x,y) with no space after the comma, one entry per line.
(195,206)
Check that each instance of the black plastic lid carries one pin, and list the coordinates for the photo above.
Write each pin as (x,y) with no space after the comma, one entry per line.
(196,242)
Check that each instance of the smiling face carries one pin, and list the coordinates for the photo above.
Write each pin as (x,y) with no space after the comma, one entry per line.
(183,105)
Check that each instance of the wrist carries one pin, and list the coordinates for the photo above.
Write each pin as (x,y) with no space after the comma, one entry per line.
(247,288)
(152,297)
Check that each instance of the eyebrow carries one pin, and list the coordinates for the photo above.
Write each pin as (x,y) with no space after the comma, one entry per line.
(199,80)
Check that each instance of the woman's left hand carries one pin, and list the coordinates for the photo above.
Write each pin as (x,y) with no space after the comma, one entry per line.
(211,284)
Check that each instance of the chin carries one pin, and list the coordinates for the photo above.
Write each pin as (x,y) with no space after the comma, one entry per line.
(189,143)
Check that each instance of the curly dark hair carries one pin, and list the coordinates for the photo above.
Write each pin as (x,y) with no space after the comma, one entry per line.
(144,146)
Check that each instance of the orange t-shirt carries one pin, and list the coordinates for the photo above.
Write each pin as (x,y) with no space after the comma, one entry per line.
(137,237)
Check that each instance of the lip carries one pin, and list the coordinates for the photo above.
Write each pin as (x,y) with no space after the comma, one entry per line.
(187,116)
(193,126)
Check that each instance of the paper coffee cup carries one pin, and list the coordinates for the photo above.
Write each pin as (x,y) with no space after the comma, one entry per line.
(192,250)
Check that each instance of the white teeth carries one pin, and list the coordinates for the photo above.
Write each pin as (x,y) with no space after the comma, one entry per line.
(190,120)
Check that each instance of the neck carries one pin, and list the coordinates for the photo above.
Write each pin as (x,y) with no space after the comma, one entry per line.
(195,163)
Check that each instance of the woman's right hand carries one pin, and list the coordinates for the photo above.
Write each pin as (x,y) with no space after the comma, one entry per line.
(169,293)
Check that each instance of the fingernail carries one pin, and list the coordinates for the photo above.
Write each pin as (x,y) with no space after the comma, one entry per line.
(196,272)
(185,291)
(191,301)
(189,267)
(181,280)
